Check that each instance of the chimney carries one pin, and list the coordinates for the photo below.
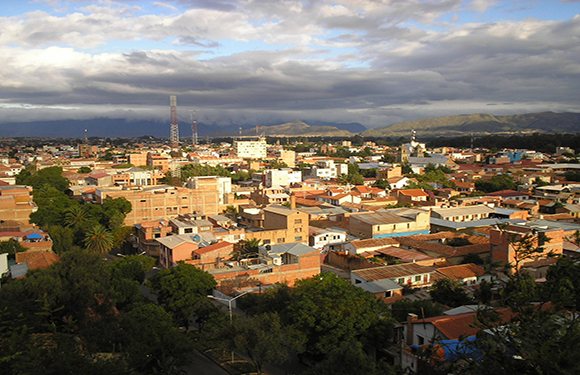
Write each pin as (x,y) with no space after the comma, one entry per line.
(292,202)
(411,318)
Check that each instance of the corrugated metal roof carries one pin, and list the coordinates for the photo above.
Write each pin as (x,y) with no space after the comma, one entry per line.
(391,272)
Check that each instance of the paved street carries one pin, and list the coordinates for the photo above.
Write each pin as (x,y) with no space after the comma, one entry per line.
(201,365)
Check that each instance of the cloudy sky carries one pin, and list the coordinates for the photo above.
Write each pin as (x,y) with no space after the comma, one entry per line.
(376,62)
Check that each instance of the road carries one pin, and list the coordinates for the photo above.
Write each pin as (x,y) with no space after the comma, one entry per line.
(201,365)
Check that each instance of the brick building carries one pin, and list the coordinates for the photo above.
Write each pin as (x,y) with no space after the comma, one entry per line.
(163,201)
(16,203)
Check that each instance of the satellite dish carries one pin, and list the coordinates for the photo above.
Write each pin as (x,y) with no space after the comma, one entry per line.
(197,238)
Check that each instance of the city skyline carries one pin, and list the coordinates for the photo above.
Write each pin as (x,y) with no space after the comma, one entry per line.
(260,62)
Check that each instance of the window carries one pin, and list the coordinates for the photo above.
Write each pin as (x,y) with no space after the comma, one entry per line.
(281,240)
(388,293)
(401,281)
(420,340)
(418,278)
(157,235)
(188,230)
(266,242)
(297,230)
(299,238)
(297,221)
(357,281)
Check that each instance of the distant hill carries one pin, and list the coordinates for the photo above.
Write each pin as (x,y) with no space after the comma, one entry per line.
(353,127)
(292,129)
(482,124)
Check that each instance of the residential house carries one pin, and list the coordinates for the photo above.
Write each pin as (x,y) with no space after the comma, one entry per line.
(409,275)
(393,223)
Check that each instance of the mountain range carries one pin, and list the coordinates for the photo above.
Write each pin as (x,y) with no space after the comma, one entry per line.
(482,124)
(448,126)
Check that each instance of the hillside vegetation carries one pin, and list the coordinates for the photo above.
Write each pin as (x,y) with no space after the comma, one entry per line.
(483,124)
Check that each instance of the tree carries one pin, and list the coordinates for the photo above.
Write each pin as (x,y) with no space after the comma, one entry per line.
(11,248)
(62,238)
(76,215)
(153,343)
(51,176)
(183,290)
(328,310)
(425,308)
(84,169)
(52,205)
(449,292)
(248,248)
(262,339)
(382,184)
(99,239)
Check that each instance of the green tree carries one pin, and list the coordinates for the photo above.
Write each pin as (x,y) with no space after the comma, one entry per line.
(425,308)
(11,248)
(62,238)
(52,205)
(84,169)
(262,339)
(51,176)
(98,239)
(153,343)
(183,291)
(76,215)
(450,293)
(382,184)
(329,310)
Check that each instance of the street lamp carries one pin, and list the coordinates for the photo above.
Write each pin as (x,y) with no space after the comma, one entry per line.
(229,301)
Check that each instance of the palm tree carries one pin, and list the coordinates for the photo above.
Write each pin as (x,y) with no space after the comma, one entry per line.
(99,239)
(247,249)
(76,215)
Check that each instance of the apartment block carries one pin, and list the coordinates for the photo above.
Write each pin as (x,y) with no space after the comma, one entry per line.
(222,184)
(16,203)
(163,201)
(255,149)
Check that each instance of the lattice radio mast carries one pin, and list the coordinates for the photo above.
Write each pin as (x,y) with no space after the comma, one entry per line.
(193,129)
(175,167)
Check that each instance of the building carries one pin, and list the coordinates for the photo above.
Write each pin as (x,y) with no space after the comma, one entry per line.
(287,157)
(394,223)
(16,203)
(285,263)
(148,232)
(282,177)
(138,159)
(522,246)
(321,238)
(137,177)
(158,161)
(222,184)
(163,201)
(251,149)
(466,274)
(410,275)
(459,214)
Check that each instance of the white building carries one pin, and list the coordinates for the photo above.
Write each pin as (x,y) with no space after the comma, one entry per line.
(251,149)
(320,238)
(282,177)
(325,169)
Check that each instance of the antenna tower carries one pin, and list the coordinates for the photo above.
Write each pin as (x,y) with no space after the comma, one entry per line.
(193,129)
(175,167)
(174,123)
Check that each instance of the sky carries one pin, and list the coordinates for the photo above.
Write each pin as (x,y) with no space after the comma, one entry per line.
(261,62)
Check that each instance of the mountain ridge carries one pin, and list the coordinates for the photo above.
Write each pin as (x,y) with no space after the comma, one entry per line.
(482,124)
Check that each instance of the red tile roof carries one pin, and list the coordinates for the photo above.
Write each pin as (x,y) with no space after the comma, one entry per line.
(37,259)
(461,271)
